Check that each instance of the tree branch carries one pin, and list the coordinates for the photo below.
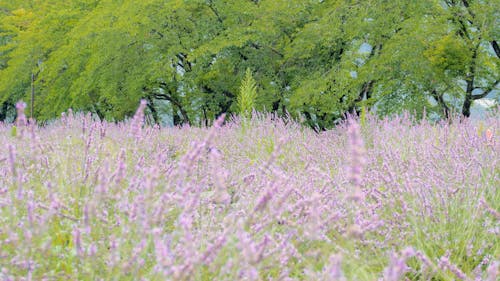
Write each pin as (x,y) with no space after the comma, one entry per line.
(172,100)
(153,110)
(154,31)
(467,6)
(216,13)
(495,46)
(441,102)
(486,91)
(185,63)
(257,46)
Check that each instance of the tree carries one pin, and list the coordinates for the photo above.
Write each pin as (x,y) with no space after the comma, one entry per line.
(476,27)
(247,95)
(434,51)
(31,32)
(315,59)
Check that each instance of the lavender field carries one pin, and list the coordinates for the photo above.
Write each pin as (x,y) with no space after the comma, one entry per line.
(259,199)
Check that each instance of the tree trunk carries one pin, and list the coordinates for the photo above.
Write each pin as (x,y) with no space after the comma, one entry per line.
(3,111)
(177,119)
(470,84)
(99,113)
(442,103)
(185,118)
(175,104)
(154,112)
(364,94)
(205,117)
(496,48)
(310,122)
(276,105)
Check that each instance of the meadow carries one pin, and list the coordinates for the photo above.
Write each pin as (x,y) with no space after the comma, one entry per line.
(250,199)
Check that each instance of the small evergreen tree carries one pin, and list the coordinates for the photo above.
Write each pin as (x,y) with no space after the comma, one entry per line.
(247,95)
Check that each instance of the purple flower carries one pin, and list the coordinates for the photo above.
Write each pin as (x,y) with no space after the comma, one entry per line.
(493,271)
(397,265)
(357,160)
(445,265)
(333,270)
(21,117)
(138,119)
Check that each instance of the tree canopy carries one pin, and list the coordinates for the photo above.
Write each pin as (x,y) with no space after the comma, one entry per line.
(316,59)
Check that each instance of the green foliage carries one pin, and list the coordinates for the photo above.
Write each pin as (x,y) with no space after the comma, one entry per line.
(316,59)
(449,53)
(247,95)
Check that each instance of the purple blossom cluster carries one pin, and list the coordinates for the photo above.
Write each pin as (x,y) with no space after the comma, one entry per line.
(394,199)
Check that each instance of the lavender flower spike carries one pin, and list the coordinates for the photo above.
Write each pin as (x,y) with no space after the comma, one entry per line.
(357,159)
(21,117)
(138,120)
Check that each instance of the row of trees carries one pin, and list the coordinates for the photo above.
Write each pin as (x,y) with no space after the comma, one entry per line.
(318,59)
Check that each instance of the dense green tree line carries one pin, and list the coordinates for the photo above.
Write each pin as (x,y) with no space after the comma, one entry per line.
(317,59)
